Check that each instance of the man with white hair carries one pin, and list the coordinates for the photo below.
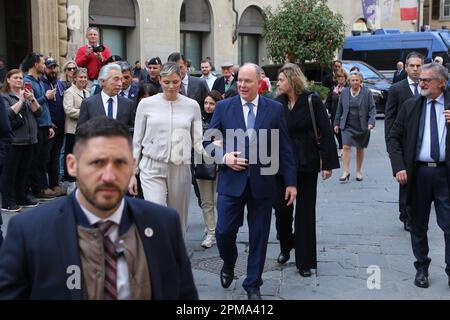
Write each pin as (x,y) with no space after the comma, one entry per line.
(109,103)
(439,60)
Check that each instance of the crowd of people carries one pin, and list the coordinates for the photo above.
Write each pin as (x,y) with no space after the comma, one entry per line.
(102,130)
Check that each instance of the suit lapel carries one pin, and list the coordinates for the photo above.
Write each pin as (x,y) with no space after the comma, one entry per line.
(146,229)
(100,105)
(68,243)
(238,114)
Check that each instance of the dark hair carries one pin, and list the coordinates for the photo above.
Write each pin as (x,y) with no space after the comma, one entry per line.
(114,58)
(137,61)
(6,88)
(125,66)
(414,54)
(215,95)
(100,127)
(30,60)
(354,68)
(146,89)
(175,57)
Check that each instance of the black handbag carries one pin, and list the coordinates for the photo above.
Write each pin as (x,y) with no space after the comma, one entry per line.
(205,171)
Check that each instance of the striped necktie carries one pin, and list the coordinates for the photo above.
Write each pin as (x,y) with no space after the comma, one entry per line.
(110,285)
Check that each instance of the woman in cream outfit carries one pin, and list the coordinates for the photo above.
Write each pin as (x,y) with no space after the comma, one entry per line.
(167,126)
(73,97)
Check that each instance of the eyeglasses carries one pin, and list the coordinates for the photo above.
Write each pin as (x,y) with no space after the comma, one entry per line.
(71,69)
(427,80)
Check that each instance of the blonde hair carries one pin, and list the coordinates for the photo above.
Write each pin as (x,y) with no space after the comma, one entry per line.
(294,77)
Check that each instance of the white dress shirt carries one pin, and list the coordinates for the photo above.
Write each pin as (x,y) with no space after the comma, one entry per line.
(123,281)
(105,99)
(245,108)
(126,92)
(425,150)
(209,80)
(185,82)
(411,85)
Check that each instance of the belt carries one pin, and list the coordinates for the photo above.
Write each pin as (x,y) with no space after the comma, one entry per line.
(431,164)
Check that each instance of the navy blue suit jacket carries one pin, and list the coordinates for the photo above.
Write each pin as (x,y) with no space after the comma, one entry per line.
(42,243)
(270,116)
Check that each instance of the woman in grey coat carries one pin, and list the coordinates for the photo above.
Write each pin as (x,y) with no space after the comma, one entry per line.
(355,118)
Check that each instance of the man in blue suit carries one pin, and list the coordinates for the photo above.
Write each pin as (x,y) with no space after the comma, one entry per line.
(97,244)
(253,130)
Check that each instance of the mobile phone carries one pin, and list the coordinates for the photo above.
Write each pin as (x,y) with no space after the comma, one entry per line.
(28,86)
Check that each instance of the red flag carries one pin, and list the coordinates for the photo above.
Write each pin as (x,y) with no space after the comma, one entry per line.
(408,9)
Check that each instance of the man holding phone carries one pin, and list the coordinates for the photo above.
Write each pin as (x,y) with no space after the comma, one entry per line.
(92,56)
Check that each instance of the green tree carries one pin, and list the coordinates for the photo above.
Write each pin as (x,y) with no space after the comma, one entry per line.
(303,30)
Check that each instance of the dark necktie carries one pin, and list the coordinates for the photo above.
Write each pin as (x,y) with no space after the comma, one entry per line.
(182,89)
(122,94)
(84,94)
(434,136)
(416,90)
(251,117)
(110,108)
(110,289)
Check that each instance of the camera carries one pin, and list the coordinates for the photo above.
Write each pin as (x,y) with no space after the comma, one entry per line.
(99,48)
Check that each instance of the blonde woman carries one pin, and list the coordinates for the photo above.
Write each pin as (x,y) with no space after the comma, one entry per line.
(73,97)
(68,69)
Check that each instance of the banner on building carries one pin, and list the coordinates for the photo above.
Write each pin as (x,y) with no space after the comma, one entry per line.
(370,10)
(386,7)
(408,9)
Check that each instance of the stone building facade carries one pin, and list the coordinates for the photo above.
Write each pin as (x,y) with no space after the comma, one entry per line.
(225,30)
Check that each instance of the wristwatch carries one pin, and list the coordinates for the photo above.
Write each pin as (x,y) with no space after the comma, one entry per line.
(34,100)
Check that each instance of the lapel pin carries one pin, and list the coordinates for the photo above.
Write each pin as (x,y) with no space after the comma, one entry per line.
(148,232)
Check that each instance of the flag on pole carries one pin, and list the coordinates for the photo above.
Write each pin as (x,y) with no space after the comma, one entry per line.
(408,9)
(386,7)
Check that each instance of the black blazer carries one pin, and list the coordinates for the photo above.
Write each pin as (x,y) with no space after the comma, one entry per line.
(42,243)
(93,107)
(398,93)
(399,77)
(198,90)
(302,136)
(219,85)
(402,142)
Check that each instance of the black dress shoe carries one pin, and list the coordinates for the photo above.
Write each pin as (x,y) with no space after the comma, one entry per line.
(421,279)
(305,273)
(226,276)
(253,294)
(407,225)
(283,258)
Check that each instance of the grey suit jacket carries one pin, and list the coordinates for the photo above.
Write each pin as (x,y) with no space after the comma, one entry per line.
(197,90)
(93,107)
(367,109)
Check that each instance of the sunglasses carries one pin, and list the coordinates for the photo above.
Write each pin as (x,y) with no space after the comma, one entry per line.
(71,69)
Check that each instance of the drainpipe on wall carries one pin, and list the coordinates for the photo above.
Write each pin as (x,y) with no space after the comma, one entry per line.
(235,31)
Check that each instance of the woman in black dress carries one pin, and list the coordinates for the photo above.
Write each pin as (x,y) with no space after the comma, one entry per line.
(293,94)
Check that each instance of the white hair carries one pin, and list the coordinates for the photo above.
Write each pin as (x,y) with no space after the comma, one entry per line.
(104,72)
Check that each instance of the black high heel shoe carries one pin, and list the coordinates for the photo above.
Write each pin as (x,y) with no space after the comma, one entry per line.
(345,179)
(305,273)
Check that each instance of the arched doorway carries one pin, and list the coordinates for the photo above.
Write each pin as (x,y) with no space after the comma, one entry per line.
(15,31)
(252,47)
(195,31)
(116,20)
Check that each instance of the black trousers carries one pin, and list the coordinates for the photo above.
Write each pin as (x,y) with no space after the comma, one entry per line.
(68,148)
(15,170)
(431,185)
(304,237)
(54,154)
(405,210)
(38,170)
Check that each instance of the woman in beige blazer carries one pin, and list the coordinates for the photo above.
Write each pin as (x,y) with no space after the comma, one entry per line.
(73,97)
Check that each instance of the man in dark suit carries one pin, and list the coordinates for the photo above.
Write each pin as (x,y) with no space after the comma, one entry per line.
(108,102)
(227,81)
(129,89)
(191,87)
(96,243)
(399,93)
(419,148)
(6,138)
(400,74)
(259,127)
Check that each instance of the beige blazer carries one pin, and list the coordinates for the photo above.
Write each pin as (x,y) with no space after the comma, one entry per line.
(72,103)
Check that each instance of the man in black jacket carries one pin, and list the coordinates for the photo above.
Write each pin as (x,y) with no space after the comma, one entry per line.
(400,74)
(419,148)
(6,137)
(399,93)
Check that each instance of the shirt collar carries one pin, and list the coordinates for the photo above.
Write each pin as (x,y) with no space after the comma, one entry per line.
(105,97)
(411,81)
(439,99)
(255,101)
(185,79)
(116,217)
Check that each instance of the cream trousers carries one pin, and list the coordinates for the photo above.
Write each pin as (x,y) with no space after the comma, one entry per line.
(208,197)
